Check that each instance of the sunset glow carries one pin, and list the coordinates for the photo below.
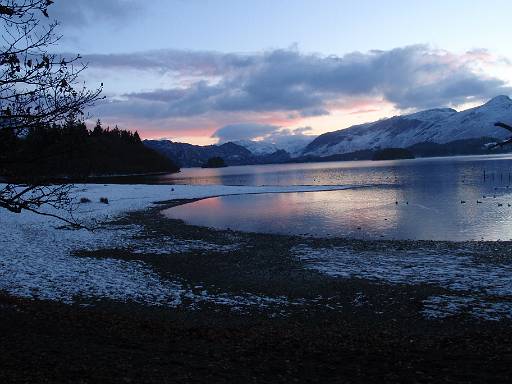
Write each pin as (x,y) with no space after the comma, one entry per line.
(185,83)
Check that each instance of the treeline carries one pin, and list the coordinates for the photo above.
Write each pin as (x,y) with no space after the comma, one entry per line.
(72,150)
(392,154)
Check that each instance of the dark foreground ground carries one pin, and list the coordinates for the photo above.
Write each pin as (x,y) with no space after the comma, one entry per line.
(53,343)
(331,339)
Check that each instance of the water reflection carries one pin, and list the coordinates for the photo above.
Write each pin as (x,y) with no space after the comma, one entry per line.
(460,169)
(431,200)
(363,213)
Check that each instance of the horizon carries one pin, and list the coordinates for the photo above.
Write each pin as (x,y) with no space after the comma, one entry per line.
(315,136)
(292,68)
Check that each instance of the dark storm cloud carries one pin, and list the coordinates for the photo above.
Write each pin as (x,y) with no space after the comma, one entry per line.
(310,85)
(454,90)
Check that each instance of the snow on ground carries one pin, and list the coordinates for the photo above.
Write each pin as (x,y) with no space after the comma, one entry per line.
(36,253)
(169,244)
(36,259)
(448,305)
(483,289)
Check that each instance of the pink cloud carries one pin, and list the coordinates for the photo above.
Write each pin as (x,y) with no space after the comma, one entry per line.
(196,128)
(363,111)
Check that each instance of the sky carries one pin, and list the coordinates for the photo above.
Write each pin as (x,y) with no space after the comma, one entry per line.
(204,71)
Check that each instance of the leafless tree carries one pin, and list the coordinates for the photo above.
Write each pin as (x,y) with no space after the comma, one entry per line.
(37,88)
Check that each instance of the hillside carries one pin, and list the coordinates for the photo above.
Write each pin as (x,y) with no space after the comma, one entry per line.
(439,126)
(293,144)
(188,155)
(434,132)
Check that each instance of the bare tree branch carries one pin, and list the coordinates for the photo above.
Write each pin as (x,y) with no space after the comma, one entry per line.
(37,89)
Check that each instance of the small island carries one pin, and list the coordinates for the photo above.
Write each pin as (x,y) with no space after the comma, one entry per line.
(392,154)
(215,162)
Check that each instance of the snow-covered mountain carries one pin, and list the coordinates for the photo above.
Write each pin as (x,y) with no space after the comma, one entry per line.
(293,144)
(440,126)
(258,147)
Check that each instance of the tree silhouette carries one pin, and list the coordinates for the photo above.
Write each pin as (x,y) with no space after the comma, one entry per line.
(70,149)
(37,89)
(215,162)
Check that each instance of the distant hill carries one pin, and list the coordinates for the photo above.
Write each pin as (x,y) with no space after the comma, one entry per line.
(188,155)
(431,127)
(434,132)
(293,144)
(453,148)
(392,154)
(71,150)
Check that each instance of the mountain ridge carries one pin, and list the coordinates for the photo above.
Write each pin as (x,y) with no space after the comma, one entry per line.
(439,125)
(432,132)
(190,155)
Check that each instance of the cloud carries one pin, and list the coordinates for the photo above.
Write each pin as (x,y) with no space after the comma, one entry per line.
(80,13)
(291,140)
(363,111)
(244,131)
(307,85)
(200,63)
(312,112)
(301,130)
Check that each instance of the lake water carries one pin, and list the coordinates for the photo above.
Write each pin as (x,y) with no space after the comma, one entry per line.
(429,199)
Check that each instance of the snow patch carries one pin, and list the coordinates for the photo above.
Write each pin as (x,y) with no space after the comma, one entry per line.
(440,307)
(459,271)
(36,254)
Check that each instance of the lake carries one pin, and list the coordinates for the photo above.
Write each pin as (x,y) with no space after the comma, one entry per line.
(456,198)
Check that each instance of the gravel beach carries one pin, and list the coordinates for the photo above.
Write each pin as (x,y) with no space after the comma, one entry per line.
(225,306)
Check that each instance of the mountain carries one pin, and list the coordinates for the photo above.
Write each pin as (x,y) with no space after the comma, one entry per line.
(434,132)
(293,144)
(189,155)
(435,126)
(258,147)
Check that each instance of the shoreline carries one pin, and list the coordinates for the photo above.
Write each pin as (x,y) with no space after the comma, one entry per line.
(252,305)
(267,292)
(155,199)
